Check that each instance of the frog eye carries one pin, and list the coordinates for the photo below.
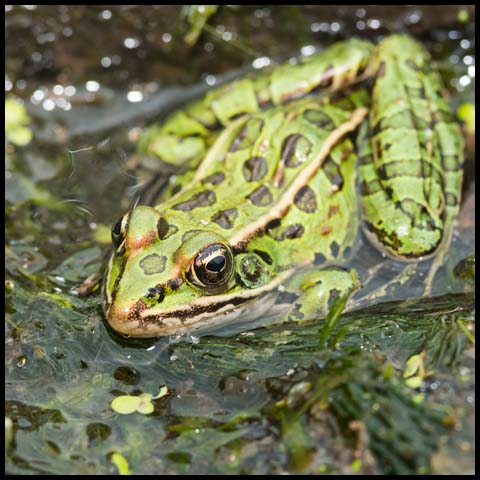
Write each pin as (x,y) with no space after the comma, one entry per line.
(212,268)
(118,233)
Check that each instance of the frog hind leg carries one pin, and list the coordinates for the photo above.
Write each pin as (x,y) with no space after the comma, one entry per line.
(411,165)
(186,135)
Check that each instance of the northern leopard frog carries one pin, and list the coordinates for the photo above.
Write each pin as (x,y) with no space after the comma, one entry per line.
(267,185)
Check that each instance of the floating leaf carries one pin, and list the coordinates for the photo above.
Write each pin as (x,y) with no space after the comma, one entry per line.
(412,365)
(414,382)
(145,408)
(125,404)
(163,391)
(121,463)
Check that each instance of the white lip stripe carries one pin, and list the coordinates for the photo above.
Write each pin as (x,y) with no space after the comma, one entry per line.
(210,300)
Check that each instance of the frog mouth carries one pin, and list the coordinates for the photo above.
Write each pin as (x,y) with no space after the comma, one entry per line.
(142,321)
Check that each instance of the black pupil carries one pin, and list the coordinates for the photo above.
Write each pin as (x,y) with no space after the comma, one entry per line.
(216,264)
(117,227)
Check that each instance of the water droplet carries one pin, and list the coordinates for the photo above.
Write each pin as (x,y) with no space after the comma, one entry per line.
(210,80)
(106,14)
(106,62)
(92,86)
(360,25)
(130,42)
(58,89)
(48,105)
(307,50)
(373,23)
(260,62)
(335,27)
(135,96)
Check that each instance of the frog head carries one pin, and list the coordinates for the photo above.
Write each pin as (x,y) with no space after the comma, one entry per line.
(167,276)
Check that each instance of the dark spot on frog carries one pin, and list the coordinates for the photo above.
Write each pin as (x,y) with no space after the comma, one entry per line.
(334,248)
(261,197)
(319,118)
(332,171)
(214,179)
(295,150)
(249,133)
(276,222)
(162,228)
(153,263)
(255,168)
(287,297)
(289,232)
(264,256)
(206,198)
(189,234)
(333,295)
(319,259)
(305,200)
(225,218)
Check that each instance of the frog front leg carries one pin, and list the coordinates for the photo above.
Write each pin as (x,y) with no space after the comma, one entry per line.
(316,291)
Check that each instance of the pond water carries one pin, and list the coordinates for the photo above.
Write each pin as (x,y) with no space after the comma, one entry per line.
(388,388)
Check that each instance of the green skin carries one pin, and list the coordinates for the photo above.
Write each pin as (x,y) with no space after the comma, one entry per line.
(274,190)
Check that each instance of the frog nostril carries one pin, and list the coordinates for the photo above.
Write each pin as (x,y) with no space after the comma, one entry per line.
(159,291)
